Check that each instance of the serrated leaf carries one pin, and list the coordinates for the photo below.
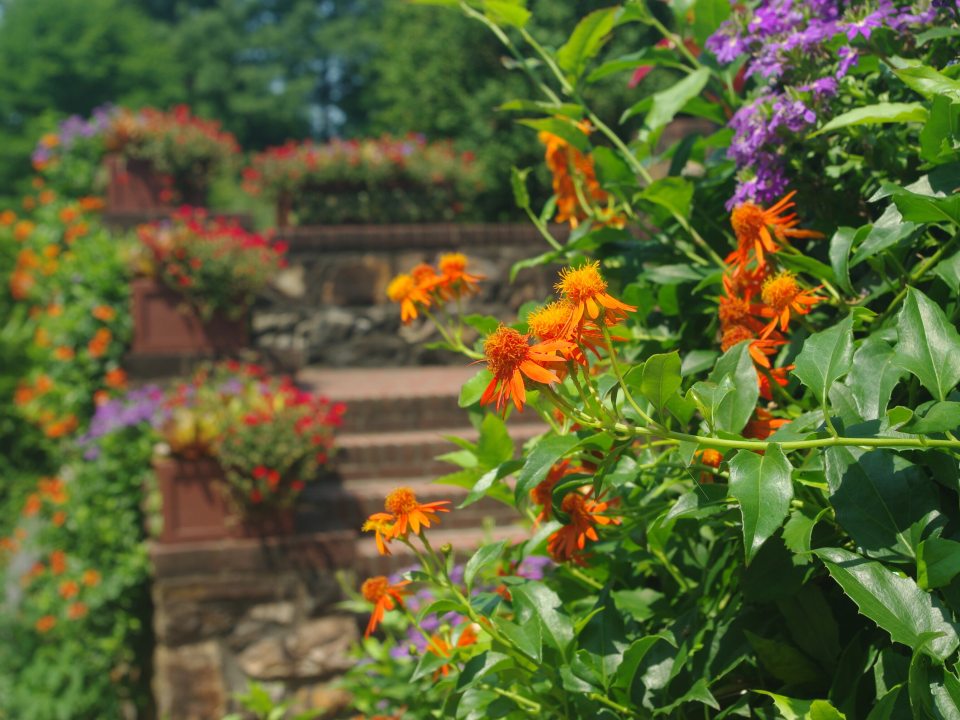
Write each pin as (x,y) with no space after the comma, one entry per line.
(535,601)
(925,209)
(936,417)
(734,411)
(938,562)
(479,666)
(928,345)
(895,603)
(825,358)
(949,271)
(763,487)
(873,375)
(527,638)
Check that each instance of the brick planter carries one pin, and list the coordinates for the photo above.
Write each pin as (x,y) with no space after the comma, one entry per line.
(163,324)
(135,186)
(196,505)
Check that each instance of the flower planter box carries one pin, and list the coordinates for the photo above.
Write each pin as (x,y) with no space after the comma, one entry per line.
(163,324)
(196,505)
(135,186)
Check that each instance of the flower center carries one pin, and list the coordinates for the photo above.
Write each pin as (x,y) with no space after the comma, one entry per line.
(747,221)
(400,287)
(780,290)
(582,283)
(400,501)
(505,349)
(575,506)
(733,310)
(548,322)
(735,334)
(374,588)
(453,263)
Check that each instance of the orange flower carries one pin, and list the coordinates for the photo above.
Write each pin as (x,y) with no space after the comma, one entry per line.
(91,578)
(91,204)
(69,589)
(455,281)
(404,290)
(104,313)
(75,231)
(779,376)
(588,291)
(61,427)
(542,494)
(763,425)
(59,518)
(7,217)
(382,525)
(22,395)
(115,378)
(21,283)
(46,197)
(55,310)
(48,140)
(759,348)
(568,542)
(54,489)
(68,215)
(711,457)
(32,505)
(101,397)
(77,611)
(46,624)
(425,276)
(509,357)
(439,646)
(29,203)
(781,294)
(100,342)
(407,512)
(63,353)
(752,226)
(384,596)
(23,230)
(58,562)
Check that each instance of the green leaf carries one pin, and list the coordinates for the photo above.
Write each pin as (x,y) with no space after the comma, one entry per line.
(895,603)
(889,230)
(938,137)
(891,706)
(878,114)
(644,58)
(798,533)
(634,655)
(673,193)
(840,244)
(518,181)
(561,128)
(795,709)
(661,378)
(949,271)
(735,409)
(708,15)
(935,417)
(472,389)
(825,358)
(927,81)
(873,376)
(591,33)
(709,396)
(526,637)
(877,497)
(545,453)
(928,345)
(507,12)
(938,562)
(935,34)
(534,601)
(763,488)
(483,557)
(665,104)
(812,625)
(479,666)
(926,209)
(783,660)
(495,445)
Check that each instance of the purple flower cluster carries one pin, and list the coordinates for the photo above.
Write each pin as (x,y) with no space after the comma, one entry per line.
(798,51)
(76,128)
(144,405)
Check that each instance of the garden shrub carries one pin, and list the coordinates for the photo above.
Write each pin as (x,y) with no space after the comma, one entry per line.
(750,479)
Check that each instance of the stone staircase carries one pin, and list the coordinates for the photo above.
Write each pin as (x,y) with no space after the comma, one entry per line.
(393,431)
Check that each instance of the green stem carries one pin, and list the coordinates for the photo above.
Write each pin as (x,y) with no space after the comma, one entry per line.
(584,578)
(608,343)
(542,228)
(518,699)
(604,700)
(916,275)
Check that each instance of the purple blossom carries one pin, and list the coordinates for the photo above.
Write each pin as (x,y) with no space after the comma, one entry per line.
(144,405)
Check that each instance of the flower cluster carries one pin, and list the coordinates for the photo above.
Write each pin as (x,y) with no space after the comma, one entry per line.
(575,185)
(427,286)
(762,233)
(213,262)
(187,149)
(269,436)
(797,52)
(373,180)
(566,330)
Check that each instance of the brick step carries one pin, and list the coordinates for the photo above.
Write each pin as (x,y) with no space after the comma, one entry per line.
(381,400)
(409,453)
(369,561)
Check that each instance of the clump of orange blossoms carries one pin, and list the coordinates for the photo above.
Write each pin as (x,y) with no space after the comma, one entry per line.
(758,230)
(384,596)
(426,286)
(404,513)
(587,290)
(585,514)
(510,357)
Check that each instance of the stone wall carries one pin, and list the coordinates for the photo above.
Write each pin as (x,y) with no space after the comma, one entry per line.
(234,611)
(330,306)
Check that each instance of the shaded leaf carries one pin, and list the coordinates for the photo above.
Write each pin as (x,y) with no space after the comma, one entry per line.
(928,344)
(763,488)
(825,358)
